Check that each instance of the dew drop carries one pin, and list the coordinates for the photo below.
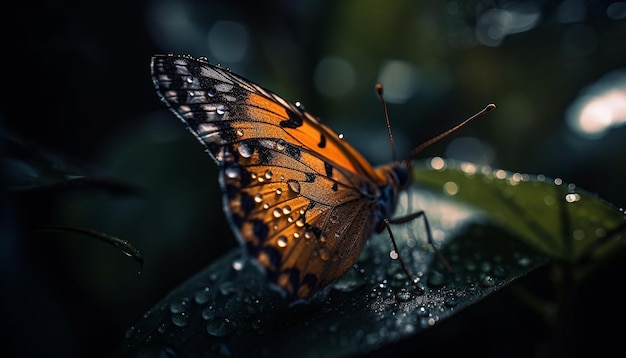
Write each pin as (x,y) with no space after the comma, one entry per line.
(308,234)
(180,319)
(403,295)
(300,222)
(279,191)
(239,133)
(488,281)
(232,172)
(237,265)
(189,79)
(524,261)
(268,174)
(202,296)
(323,237)
(220,326)
(280,144)
(287,210)
(324,254)
(296,235)
(130,332)
(294,185)
(572,197)
(211,92)
(558,181)
(277,213)
(258,198)
(179,306)
(281,241)
(266,206)
(208,313)
(220,110)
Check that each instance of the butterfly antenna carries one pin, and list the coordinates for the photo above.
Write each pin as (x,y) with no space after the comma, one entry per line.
(379,90)
(437,138)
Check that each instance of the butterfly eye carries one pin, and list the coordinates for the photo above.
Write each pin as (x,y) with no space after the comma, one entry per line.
(400,176)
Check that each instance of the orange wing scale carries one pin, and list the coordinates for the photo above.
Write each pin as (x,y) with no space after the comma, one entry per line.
(302,201)
(313,135)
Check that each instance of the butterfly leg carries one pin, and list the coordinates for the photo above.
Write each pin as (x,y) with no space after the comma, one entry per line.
(404,267)
(411,217)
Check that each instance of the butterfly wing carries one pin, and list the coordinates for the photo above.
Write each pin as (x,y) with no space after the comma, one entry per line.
(300,199)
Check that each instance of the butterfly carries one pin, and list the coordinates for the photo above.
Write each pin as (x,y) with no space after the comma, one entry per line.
(300,199)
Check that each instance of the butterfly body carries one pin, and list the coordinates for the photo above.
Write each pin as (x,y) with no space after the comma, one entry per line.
(299,198)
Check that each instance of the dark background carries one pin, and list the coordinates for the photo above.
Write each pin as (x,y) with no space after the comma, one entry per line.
(77,82)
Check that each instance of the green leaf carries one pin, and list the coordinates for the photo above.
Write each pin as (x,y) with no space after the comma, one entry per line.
(558,219)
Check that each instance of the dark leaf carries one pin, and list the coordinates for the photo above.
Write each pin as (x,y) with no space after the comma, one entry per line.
(507,225)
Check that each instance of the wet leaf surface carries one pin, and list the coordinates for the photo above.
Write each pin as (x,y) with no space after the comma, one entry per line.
(492,226)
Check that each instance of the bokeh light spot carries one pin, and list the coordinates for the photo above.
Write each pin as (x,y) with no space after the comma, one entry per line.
(228,41)
(334,76)
(399,80)
(600,107)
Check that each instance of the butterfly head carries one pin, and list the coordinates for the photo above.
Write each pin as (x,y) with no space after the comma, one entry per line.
(401,174)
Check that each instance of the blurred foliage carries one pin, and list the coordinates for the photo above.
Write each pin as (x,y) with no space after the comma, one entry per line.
(78,83)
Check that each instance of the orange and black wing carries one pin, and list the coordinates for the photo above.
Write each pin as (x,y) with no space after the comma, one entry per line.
(299,198)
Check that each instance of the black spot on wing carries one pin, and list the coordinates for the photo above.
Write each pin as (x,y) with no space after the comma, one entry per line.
(293,151)
(335,187)
(265,154)
(247,203)
(309,177)
(260,229)
(329,170)
(322,143)
(293,122)
(315,230)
